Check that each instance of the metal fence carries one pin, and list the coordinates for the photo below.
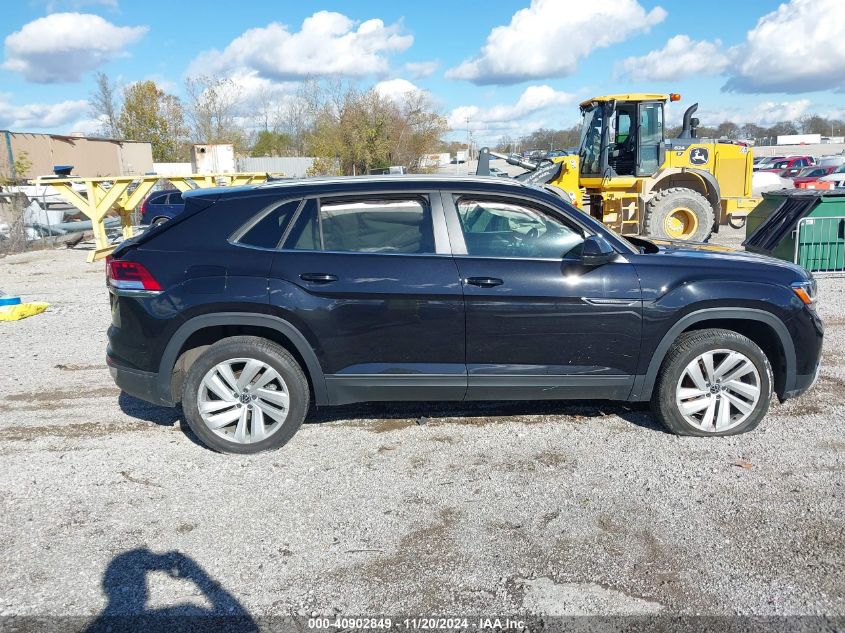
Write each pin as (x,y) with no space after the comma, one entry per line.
(291,166)
(820,245)
(13,234)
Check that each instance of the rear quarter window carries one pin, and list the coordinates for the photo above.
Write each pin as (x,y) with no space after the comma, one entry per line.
(267,228)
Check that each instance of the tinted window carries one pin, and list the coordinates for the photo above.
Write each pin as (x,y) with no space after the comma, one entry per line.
(394,225)
(305,234)
(501,229)
(651,136)
(267,230)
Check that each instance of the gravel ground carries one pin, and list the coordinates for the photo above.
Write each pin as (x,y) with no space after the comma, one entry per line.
(509,508)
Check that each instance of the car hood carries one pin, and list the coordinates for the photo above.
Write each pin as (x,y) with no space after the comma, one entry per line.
(715,253)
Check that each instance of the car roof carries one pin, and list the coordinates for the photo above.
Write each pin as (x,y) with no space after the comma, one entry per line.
(393,182)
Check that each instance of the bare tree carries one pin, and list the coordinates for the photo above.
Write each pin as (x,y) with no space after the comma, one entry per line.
(103,103)
(212,109)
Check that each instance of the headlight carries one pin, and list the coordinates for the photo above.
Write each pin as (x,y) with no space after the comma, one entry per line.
(806,291)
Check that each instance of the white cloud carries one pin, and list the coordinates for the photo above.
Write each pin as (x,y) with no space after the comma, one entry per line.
(681,57)
(419,70)
(534,105)
(42,116)
(328,44)
(764,113)
(549,37)
(61,47)
(800,47)
(395,89)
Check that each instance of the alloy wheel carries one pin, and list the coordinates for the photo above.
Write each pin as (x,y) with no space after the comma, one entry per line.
(243,400)
(718,390)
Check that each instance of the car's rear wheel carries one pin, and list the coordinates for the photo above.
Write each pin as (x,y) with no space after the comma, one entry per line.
(245,394)
(713,382)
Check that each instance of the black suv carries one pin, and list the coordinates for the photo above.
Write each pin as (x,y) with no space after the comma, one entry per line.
(257,301)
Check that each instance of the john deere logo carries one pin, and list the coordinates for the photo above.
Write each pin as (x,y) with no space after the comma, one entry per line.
(698,156)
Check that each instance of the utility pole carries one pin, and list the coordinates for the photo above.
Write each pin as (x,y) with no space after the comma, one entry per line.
(469,143)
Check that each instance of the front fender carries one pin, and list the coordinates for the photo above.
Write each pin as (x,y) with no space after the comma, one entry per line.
(666,317)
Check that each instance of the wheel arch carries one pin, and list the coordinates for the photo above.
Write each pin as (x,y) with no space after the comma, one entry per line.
(747,321)
(180,346)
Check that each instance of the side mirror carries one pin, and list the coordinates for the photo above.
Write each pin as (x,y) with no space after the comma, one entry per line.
(596,251)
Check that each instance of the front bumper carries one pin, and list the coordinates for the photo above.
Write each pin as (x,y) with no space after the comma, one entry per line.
(803,382)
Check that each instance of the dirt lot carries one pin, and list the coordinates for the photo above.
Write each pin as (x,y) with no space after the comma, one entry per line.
(506,508)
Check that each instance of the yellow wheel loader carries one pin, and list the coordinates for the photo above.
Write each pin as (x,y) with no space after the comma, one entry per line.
(632,178)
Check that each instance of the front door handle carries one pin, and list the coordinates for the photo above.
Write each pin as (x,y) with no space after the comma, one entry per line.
(318,278)
(484,282)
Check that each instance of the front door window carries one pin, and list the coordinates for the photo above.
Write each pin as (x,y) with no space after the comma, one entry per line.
(495,228)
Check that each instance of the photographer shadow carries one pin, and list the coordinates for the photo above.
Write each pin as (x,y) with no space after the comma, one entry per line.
(125,584)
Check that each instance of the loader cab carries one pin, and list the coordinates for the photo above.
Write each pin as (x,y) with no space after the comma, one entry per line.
(622,137)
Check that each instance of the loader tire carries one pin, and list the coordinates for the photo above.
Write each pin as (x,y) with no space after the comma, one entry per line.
(678,213)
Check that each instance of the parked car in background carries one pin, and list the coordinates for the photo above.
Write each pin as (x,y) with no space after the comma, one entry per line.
(837,177)
(161,206)
(790,162)
(500,173)
(811,174)
(836,161)
(766,161)
(258,301)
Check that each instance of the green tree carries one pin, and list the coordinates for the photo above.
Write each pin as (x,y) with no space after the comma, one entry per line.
(149,114)
(19,170)
(269,143)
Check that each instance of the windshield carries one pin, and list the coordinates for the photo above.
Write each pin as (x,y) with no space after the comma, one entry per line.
(591,133)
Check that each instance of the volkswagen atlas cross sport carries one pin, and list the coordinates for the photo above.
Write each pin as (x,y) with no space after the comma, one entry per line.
(257,302)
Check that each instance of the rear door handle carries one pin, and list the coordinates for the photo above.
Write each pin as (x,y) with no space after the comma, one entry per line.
(318,278)
(484,282)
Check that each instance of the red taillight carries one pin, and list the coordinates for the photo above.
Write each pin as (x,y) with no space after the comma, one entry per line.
(130,276)
(144,208)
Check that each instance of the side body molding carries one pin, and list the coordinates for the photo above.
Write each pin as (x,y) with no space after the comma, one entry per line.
(303,347)
(644,384)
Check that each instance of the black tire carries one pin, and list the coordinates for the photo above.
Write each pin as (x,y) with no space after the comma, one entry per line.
(737,221)
(688,347)
(257,348)
(158,221)
(668,201)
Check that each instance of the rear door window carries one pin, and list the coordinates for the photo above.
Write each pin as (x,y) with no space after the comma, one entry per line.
(392,225)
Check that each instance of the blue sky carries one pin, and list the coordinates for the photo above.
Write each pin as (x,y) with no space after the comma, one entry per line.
(508,66)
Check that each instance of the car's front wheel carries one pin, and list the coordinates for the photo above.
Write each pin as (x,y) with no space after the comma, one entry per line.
(713,382)
(245,394)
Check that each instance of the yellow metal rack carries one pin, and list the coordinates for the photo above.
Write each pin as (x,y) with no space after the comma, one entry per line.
(123,193)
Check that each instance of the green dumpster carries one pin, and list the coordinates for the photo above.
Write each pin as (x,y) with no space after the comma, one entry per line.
(803,226)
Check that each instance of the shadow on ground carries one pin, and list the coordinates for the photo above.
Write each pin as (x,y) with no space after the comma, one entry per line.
(125,583)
